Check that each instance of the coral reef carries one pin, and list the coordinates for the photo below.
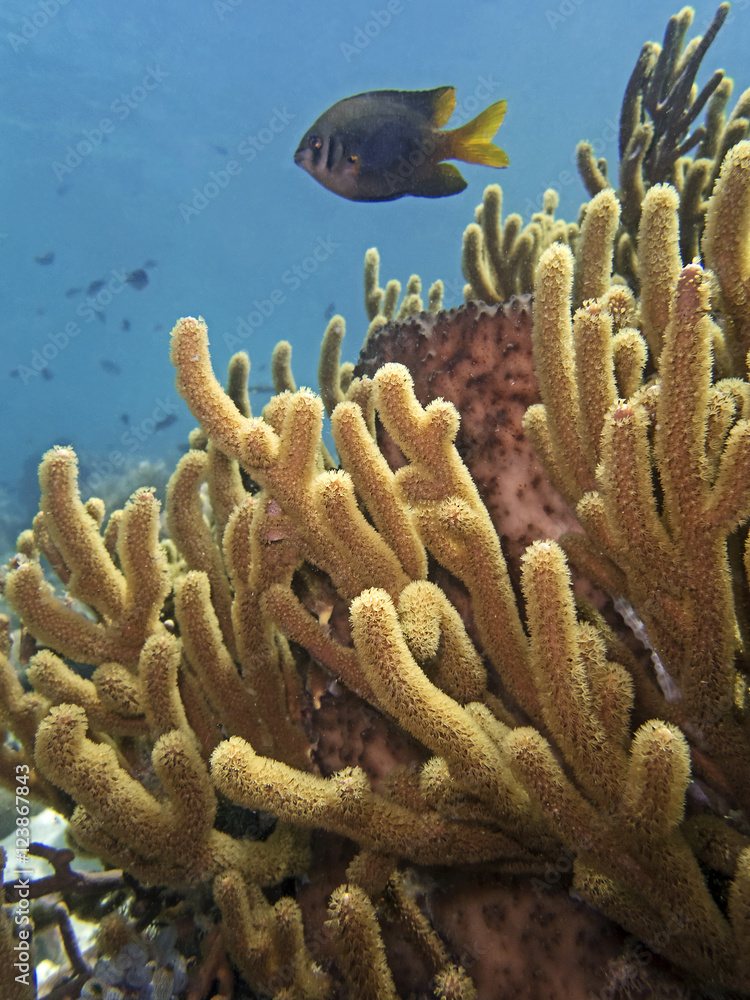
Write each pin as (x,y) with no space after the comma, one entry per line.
(480,358)
(506,746)
(660,106)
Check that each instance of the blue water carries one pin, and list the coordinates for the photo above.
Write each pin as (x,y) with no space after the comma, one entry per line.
(115,116)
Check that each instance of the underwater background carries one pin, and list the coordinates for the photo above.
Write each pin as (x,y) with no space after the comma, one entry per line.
(147,174)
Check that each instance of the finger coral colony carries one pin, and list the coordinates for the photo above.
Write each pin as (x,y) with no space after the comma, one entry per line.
(465,715)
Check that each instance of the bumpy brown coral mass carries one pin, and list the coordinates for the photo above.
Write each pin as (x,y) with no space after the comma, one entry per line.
(498,763)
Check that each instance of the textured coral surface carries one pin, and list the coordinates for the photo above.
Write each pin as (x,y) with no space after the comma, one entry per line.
(343,723)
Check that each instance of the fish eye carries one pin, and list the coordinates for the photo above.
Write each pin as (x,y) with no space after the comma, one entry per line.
(315,142)
(352,158)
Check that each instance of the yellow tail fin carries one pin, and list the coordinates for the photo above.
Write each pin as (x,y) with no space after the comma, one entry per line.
(472,141)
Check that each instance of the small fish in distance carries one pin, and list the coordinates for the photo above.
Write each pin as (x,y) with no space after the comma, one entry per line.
(45,258)
(167,421)
(137,279)
(384,144)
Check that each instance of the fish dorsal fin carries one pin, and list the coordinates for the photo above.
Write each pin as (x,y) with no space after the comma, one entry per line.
(443,102)
(435,105)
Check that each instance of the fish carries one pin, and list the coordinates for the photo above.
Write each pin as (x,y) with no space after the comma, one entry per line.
(45,258)
(383,144)
(125,325)
(137,279)
(165,422)
(94,287)
(110,367)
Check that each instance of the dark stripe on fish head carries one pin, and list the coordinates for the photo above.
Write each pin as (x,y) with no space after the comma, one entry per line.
(335,152)
(325,157)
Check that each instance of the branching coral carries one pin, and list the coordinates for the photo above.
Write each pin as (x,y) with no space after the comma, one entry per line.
(660,106)
(661,497)
(661,544)
(499,259)
(542,759)
(537,733)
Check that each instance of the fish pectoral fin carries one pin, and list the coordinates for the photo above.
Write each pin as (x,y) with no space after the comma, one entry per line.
(472,142)
(445,179)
